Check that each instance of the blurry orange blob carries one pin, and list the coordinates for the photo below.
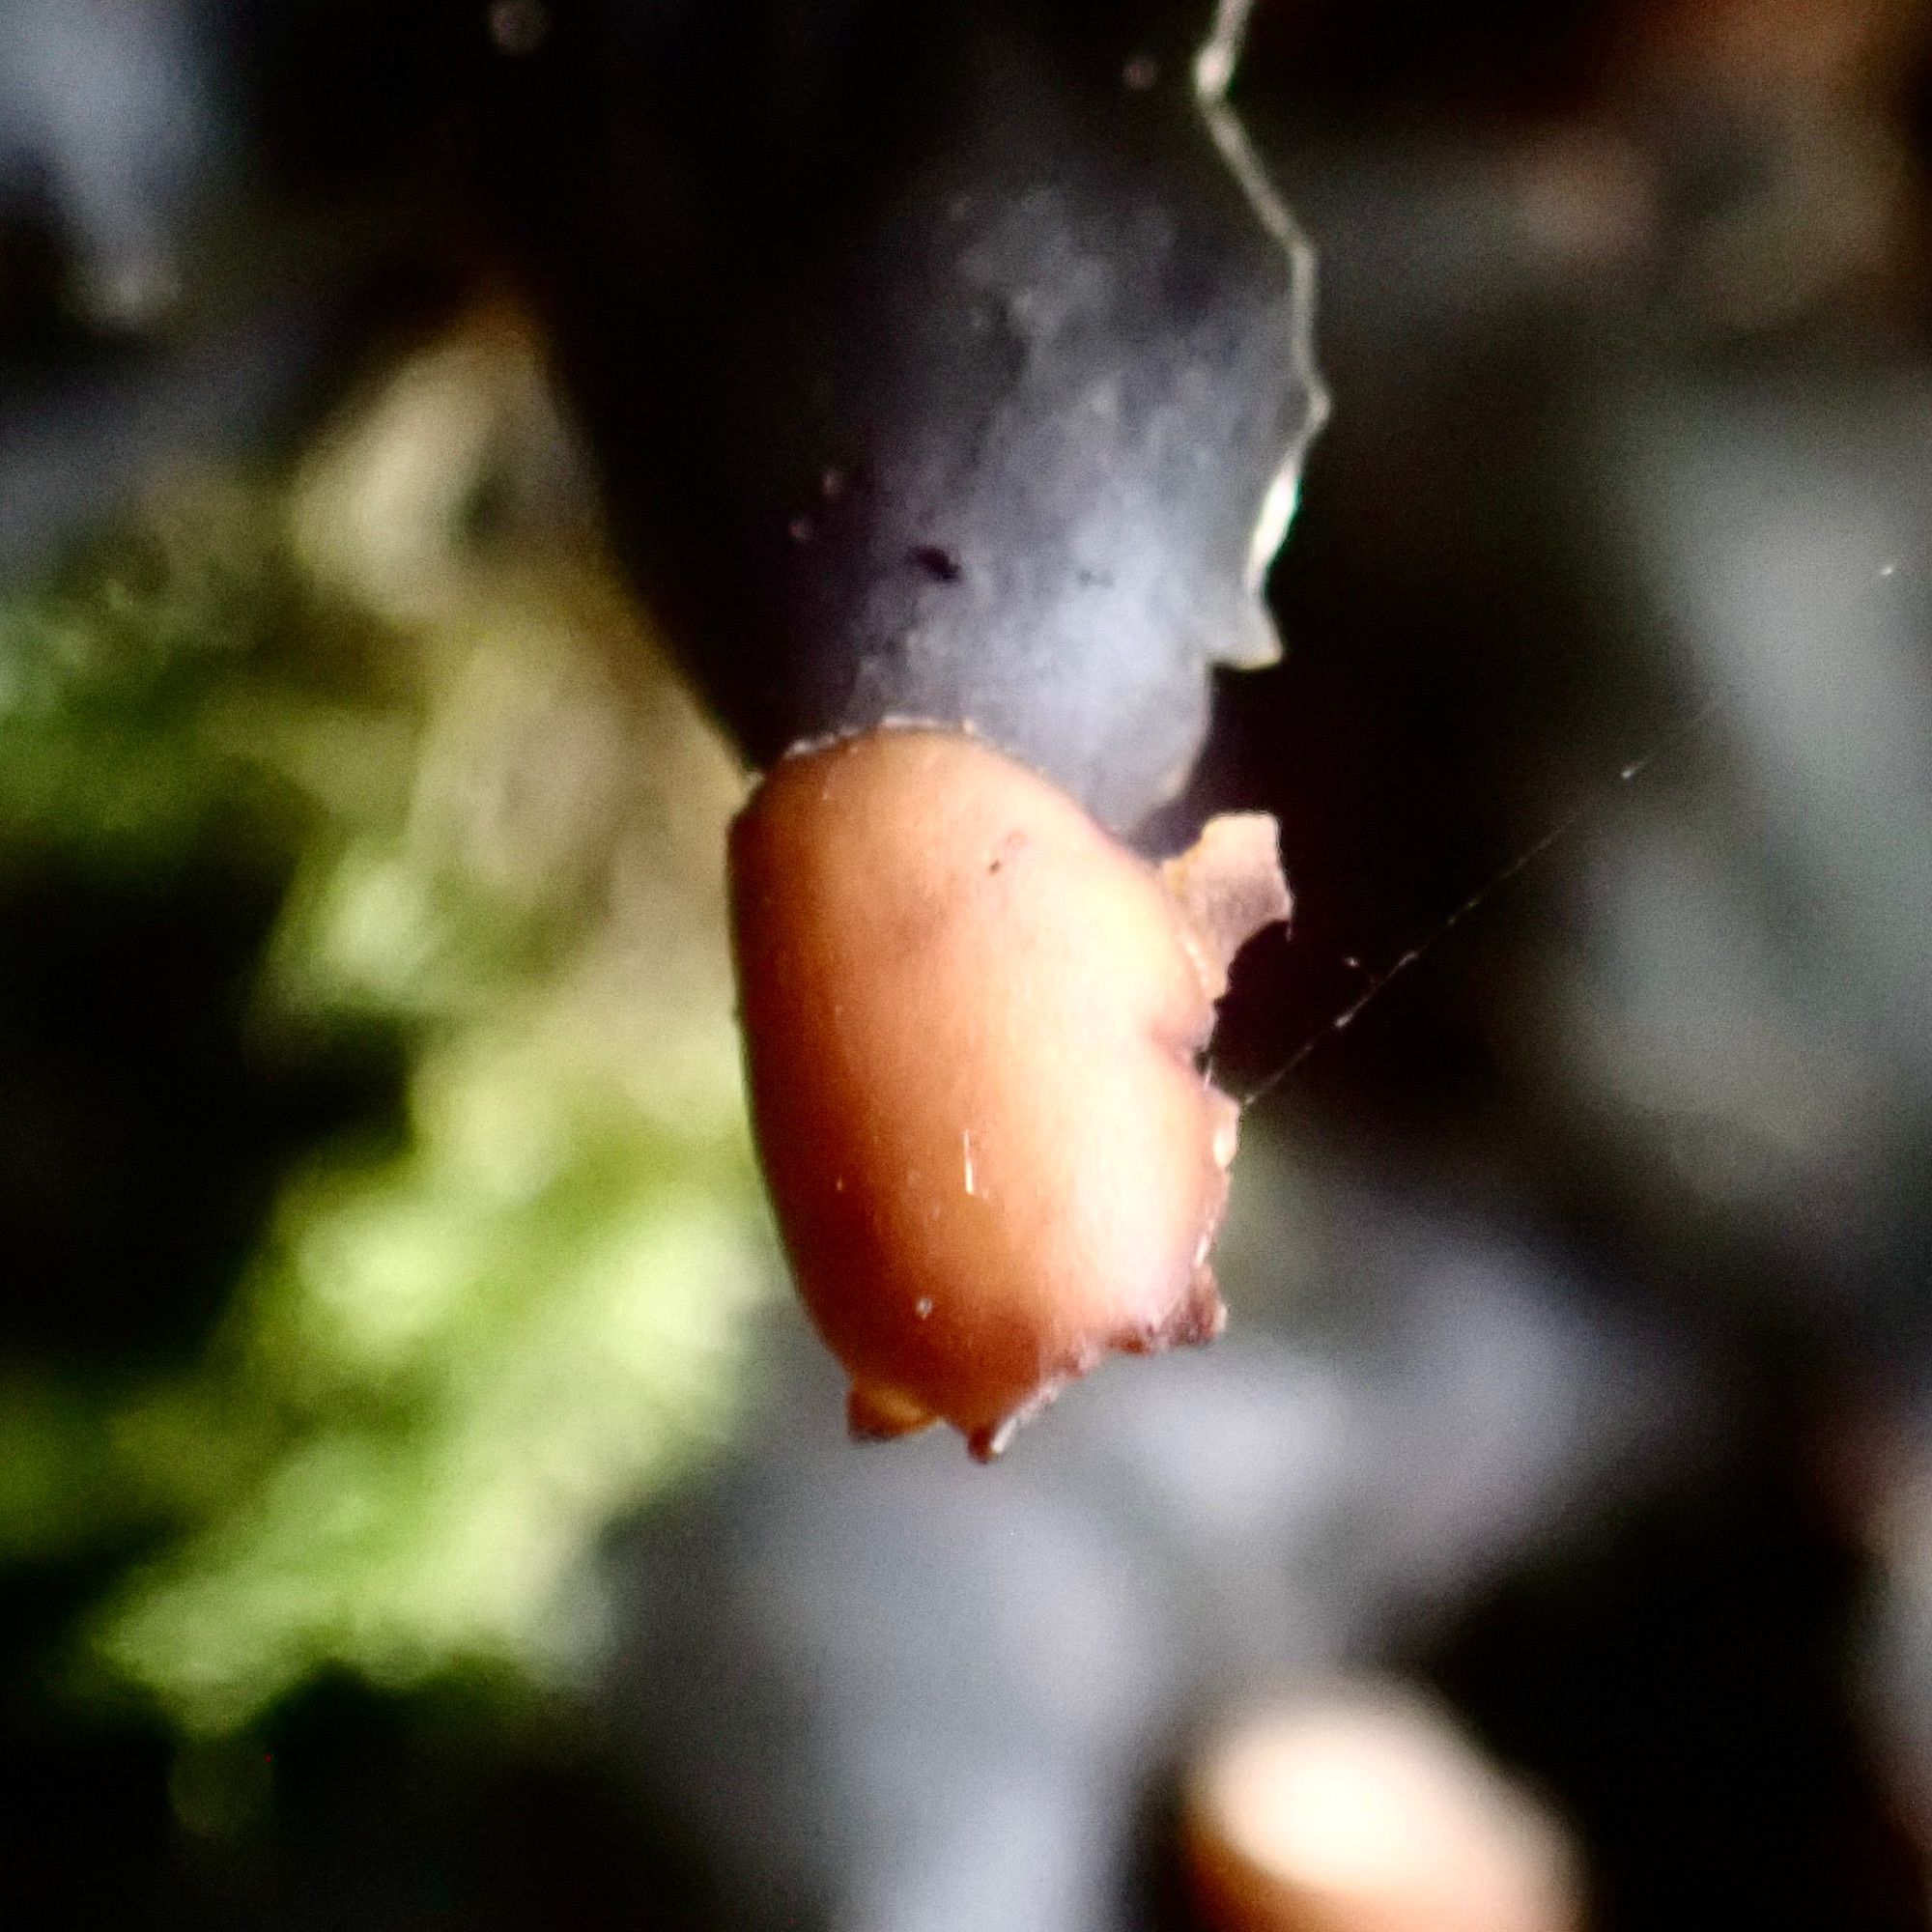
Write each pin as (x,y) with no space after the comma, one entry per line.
(973,1023)
(1366,1811)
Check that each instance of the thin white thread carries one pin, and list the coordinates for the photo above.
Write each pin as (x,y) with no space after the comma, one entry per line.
(1214,67)
(1583,810)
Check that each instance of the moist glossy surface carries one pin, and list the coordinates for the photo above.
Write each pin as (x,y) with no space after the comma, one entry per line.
(971,1022)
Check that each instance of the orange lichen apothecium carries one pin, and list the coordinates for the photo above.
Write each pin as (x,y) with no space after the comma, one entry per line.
(973,1025)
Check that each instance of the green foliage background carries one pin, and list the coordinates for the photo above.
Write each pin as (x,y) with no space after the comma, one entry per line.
(473,1315)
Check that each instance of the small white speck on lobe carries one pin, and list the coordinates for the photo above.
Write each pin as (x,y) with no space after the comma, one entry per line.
(966,1148)
(922,1308)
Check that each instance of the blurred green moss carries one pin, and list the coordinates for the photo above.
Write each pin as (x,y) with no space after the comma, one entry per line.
(456,1341)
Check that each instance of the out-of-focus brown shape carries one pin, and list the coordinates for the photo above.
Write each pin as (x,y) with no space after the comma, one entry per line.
(1367,1811)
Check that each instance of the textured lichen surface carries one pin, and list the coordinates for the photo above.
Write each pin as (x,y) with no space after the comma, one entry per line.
(1016,443)
(469,1323)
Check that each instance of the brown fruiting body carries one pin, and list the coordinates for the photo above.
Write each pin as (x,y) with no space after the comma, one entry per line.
(973,1023)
